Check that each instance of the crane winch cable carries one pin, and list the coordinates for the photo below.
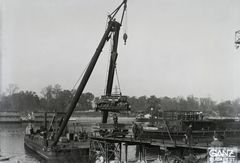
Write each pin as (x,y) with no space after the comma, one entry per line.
(125,23)
(109,57)
(81,76)
(118,81)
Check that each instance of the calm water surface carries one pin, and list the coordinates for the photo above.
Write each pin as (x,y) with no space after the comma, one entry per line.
(12,142)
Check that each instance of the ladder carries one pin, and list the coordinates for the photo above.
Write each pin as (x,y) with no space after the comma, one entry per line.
(165,123)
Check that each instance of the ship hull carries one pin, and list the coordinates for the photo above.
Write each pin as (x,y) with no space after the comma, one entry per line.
(229,137)
(63,152)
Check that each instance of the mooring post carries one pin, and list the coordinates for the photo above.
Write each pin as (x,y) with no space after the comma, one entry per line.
(45,120)
(159,152)
(163,138)
(182,152)
(120,154)
(106,152)
(175,142)
(126,152)
(140,152)
(137,151)
(198,137)
(144,154)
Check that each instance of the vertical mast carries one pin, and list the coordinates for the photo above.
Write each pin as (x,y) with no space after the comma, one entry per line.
(112,67)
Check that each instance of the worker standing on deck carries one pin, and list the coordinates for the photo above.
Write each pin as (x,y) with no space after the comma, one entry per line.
(31,130)
(140,131)
(216,142)
(115,120)
(134,130)
(84,135)
(188,135)
(28,129)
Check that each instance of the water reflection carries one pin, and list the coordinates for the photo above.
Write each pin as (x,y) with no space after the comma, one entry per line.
(12,143)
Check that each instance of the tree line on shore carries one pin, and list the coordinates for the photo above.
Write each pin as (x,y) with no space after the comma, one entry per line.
(54,98)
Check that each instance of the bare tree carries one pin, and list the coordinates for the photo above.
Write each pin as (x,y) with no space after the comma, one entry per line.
(12,88)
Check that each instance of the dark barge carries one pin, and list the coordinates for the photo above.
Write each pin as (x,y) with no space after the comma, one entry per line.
(61,152)
(174,124)
(69,145)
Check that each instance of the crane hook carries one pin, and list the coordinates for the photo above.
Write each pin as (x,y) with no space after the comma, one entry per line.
(125,36)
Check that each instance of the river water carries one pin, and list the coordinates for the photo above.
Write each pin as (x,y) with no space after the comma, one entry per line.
(12,144)
(12,141)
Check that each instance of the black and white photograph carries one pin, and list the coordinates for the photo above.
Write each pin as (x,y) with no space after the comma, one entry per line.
(123,81)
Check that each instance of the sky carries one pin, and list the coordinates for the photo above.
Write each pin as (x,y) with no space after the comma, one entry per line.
(174,47)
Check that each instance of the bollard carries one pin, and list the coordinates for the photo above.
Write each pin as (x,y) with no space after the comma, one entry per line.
(198,138)
(126,152)
(175,142)
(145,153)
(163,139)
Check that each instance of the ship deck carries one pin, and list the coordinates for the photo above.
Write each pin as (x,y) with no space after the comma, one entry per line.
(58,152)
(163,144)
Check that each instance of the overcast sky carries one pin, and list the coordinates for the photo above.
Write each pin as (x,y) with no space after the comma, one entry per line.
(174,47)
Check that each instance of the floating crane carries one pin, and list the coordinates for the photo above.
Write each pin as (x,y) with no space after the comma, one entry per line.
(108,102)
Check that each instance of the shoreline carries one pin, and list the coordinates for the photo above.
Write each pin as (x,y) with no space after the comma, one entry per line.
(98,119)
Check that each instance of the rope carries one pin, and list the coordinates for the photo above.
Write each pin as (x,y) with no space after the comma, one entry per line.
(81,75)
(109,57)
(125,23)
(118,81)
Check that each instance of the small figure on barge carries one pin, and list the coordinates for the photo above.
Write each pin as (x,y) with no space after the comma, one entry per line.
(134,130)
(216,142)
(115,120)
(188,135)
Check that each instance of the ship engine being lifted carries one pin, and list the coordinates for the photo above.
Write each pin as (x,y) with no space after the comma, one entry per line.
(113,103)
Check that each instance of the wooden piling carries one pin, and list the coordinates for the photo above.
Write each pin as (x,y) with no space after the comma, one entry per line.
(120,154)
(159,152)
(144,154)
(106,152)
(140,152)
(126,152)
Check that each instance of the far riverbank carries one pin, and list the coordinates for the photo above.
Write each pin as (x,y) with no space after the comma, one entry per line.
(98,119)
